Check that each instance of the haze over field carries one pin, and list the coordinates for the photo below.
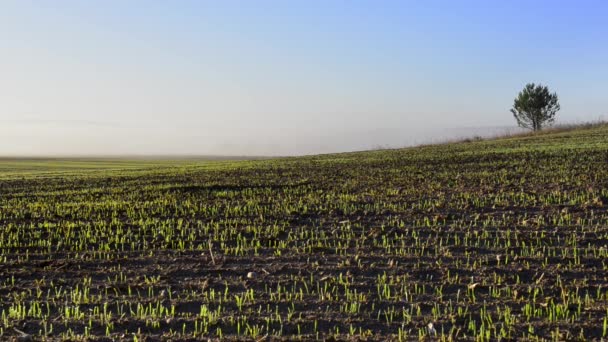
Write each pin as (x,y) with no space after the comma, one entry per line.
(285,78)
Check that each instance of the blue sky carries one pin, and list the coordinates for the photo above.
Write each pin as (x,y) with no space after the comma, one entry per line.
(285,77)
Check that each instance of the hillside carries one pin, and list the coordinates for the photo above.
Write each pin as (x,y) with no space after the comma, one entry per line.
(482,240)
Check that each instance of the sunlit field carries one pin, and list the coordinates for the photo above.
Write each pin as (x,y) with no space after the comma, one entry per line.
(501,239)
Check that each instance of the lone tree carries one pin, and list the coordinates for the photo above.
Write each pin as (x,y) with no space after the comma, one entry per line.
(535,106)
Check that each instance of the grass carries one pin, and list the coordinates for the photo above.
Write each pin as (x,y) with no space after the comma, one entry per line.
(481,240)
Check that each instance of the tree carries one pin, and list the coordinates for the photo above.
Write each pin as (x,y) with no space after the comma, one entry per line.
(535,106)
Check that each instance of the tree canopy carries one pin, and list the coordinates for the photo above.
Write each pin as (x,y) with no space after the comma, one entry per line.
(535,106)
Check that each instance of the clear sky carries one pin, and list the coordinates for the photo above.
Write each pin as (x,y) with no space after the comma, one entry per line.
(285,77)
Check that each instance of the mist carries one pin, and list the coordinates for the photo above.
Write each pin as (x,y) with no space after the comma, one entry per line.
(74,138)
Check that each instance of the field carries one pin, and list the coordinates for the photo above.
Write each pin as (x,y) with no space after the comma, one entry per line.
(485,240)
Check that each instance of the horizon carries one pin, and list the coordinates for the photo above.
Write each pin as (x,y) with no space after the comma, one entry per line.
(489,132)
(273,79)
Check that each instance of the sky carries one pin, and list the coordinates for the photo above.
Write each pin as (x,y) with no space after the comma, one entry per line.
(291,77)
